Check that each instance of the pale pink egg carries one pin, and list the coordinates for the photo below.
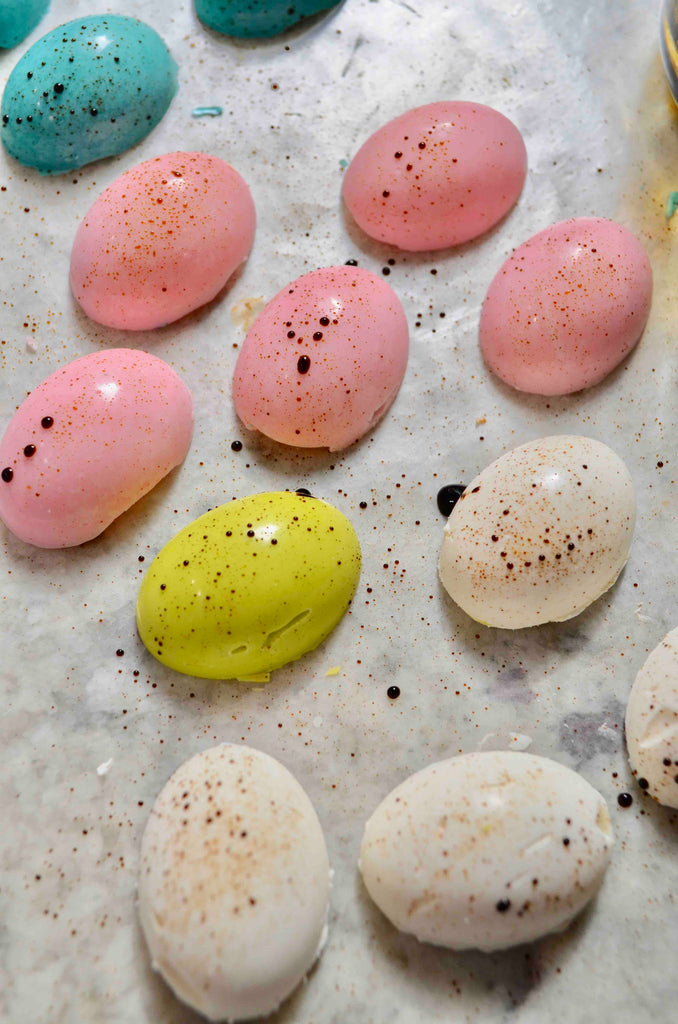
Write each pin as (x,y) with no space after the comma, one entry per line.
(324,360)
(436,176)
(88,442)
(161,241)
(566,307)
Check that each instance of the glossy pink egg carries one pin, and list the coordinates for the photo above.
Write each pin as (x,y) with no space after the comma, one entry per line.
(88,442)
(324,360)
(436,176)
(566,307)
(161,241)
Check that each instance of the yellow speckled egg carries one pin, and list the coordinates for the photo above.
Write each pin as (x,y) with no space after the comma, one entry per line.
(249,586)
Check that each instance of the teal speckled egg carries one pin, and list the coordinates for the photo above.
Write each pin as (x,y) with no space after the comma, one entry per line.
(18,18)
(89,89)
(250,18)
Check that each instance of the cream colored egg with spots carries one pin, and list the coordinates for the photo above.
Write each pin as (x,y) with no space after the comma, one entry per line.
(541,533)
(652,723)
(234,883)
(486,850)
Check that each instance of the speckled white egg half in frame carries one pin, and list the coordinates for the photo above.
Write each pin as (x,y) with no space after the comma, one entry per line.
(652,723)
(234,883)
(541,533)
(486,850)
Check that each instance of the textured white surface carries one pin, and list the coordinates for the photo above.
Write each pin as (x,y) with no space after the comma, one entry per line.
(584,83)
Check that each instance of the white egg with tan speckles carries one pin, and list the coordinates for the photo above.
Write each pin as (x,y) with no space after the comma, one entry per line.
(652,723)
(541,533)
(234,883)
(486,850)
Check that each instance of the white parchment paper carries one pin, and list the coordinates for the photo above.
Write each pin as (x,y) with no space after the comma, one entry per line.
(86,744)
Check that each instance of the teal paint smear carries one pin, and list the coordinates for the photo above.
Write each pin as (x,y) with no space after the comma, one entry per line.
(671,204)
(207,112)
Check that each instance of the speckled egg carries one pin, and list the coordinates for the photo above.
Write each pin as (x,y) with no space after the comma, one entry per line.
(234,883)
(540,533)
(18,18)
(324,360)
(436,176)
(89,89)
(161,241)
(251,18)
(487,850)
(88,442)
(566,307)
(249,586)
(652,723)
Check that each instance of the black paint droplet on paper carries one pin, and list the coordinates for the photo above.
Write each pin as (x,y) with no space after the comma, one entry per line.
(448,497)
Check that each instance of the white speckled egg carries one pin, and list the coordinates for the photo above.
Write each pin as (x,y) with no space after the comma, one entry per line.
(486,850)
(541,533)
(652,723)
(234,883)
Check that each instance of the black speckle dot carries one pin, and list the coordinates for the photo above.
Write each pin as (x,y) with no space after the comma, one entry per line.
(624,799)
(393,692)
(503,906)
(303,364)
(7,474)
(448,497)
(236,446)
(30,450)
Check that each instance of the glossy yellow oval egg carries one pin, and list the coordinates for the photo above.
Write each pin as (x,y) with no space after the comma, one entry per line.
(249,586)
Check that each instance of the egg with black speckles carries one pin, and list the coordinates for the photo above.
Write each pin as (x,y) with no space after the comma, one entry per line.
(540,533)
(652,722)
(436,176)
(249,586)
(89,89)
(566,307)
(487,850)
(18,18)
(234,883)
(257,18)
(324,360)
(161,241)
(88,442)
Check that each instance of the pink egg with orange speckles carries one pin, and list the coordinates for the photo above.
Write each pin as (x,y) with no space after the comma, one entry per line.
(436,176)
(566,307)
(161,241)
(324,360)
(88,442)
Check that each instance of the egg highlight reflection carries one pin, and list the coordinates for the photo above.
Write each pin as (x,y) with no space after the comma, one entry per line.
(257,18)
(566,307)
(161,241)
(436,176)
(541,533)
(249,586)
(88,89)
(234,883)
(90,441)
(486,850)
(652,723)
(324,360)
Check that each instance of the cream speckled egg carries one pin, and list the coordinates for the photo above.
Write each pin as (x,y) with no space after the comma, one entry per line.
(652,723)
(486,850)
(234,883)
(540,533)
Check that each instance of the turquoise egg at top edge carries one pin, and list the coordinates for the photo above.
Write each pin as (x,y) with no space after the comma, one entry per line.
(18,18)
(91,88)
(249,19)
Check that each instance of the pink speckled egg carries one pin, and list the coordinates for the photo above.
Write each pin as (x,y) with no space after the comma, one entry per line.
(161,241)
(88,442)
(324,360)
(436,176)
(566,307)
